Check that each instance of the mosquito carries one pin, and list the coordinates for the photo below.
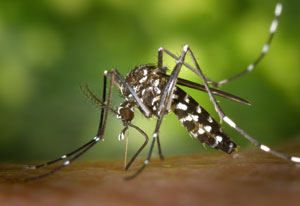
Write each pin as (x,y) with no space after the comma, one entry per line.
(153,92)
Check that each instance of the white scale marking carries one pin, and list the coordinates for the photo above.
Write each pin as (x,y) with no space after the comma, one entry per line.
(143,79)
(230,147)
(146,162)
(265,148)
(156,82)
(278,9)
(207,128)
(250,67)
(229,121)
(118,112)
(198,109)
(295,159)
(273,26)
(67,162)
(181,106)
(186,99)
(121,136)
(201,131)
(143,91)
(210,119)
(185,48)
(195,117)
(175,96)
(155,99)
(187,118)
(64,156)
(157,90)
(219,139)
(145,72)
(265,48)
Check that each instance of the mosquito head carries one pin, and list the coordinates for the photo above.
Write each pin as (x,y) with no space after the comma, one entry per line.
(126,114)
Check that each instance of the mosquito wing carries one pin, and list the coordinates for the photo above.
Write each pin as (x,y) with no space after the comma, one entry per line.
(201,87)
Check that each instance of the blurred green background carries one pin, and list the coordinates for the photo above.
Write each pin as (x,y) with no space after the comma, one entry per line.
(48,48)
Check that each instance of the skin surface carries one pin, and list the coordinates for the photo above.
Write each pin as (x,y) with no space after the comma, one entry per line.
(248,177)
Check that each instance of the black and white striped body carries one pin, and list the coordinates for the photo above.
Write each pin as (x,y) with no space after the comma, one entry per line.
(149,82)
(199,123)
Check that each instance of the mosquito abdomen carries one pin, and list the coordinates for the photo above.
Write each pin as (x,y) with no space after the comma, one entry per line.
(199,123)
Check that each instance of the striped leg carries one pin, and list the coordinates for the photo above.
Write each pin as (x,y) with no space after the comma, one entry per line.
(231,123)
(261,146)
(199,72)
(264,50)
(141,148)
(165,105)
(251,66)
(80,151)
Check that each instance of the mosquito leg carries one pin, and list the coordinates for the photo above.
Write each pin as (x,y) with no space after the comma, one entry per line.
(159,149)
(62,157)
(144,109)
(211,97)
(160,58)
(77,150)
(261,146)
(165,104)
(100,134)
(146,162)
(66,163)
(141,148)
(104,111)
(265,49)
(233,125)
(251,66)
(160,65)
(200,73)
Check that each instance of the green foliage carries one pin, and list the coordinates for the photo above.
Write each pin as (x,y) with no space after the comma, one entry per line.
(47,48)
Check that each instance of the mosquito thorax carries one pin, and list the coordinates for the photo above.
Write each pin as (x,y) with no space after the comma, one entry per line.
(148,83)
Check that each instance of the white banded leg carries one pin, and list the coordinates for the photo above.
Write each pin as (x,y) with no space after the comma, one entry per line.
(199,72)
(261,146)
(100,135)
(232,124)
(251,66)
(165,101)
(66,156)
(264,50)
(141,148)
